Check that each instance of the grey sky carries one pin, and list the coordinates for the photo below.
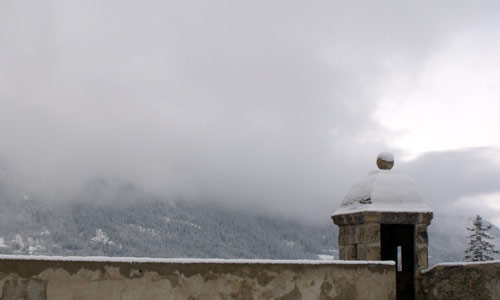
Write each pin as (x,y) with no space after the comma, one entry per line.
(279,105)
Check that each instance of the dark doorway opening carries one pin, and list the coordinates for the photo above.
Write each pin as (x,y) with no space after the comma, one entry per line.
(397,244)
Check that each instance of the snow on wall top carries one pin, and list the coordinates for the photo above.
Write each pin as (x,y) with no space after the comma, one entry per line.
(383,190)
(461,264)
(189,260)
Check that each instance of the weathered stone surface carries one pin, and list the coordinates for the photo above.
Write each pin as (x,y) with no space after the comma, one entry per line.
(421,236)
(369,252)
(480,281)
(44,279)
(384,165)
(361,234)
(357,218)
(347,235)
(350,252)
(22,289)
(368,233)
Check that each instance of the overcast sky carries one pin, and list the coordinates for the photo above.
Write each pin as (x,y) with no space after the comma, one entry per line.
(275,105)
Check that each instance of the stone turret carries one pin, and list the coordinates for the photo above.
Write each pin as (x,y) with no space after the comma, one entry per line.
(384,217)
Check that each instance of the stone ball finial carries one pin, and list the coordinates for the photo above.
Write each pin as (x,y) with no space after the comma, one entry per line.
(385,161)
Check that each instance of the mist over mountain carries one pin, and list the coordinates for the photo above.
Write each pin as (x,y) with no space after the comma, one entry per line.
(448,237)
(112,218)
(151,227)
(269,108)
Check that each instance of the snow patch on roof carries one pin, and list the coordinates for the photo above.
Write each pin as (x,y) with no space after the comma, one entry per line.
(384,190)
(386,156)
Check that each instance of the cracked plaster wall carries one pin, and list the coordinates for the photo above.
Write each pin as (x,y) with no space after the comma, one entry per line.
(38,279)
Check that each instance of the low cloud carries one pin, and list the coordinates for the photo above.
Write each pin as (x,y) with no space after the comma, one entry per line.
(260,105)
(448,180)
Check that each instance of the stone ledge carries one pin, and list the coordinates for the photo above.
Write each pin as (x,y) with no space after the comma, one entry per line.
(383,218)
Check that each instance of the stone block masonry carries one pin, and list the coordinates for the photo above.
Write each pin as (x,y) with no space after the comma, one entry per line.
(457,281)
(132,278)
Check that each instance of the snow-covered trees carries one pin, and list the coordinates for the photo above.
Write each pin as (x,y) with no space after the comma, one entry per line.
(479,248)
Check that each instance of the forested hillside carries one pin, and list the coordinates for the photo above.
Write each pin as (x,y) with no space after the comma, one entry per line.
(115,219)
(156,228)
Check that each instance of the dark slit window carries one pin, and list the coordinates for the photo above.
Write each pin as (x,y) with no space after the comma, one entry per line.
(397,244)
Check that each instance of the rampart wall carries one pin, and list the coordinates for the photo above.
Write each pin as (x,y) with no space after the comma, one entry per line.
(132,278)
(454,281)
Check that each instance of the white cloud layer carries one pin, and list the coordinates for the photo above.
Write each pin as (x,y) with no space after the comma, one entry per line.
(452,103)
(275,105)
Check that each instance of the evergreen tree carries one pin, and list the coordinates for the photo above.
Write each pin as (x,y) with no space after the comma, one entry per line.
(479,248)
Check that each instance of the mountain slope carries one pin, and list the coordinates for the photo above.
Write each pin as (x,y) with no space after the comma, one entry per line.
(115,219)
(156,228)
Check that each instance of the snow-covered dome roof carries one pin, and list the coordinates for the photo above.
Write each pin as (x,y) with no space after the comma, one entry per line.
(384,190)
